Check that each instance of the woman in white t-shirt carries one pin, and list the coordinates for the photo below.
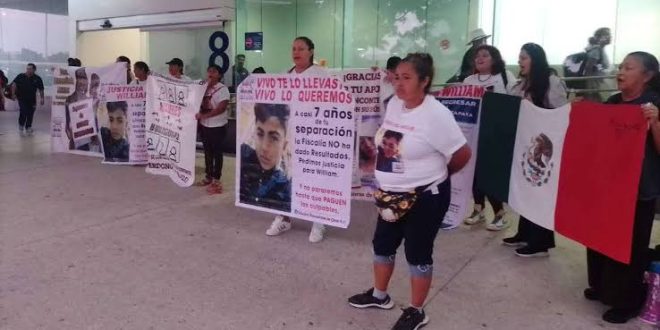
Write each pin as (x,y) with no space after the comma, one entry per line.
(302,53)
(141,71)
(490,72)
(213,119)
(420,146)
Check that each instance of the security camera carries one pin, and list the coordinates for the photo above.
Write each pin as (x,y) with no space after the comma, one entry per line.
(106,24)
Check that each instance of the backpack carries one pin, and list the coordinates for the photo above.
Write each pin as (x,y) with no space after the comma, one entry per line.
(574,66)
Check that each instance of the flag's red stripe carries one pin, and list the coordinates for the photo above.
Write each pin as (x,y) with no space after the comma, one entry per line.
(600,172)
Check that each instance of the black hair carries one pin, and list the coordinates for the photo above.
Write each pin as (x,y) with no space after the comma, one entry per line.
(422,63)
(538,80)
(34,67)
(77,62)
(392,63)
(142,66)
(259,70)
(240,56)
(262,112)
(124,59)
(117,106)
(71,61)
(599,33)
(498,66)
(215,67)
(650,64)
(393,135)
(310,46)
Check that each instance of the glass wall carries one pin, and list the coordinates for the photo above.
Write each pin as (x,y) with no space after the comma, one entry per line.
(355,33)
(28,36)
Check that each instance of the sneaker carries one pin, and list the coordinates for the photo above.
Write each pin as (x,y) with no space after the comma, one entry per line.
(514,242)
(476,217)
(317,233)
(278,226)
(411,319)
(447,226)
(29,131)
(367,300)
(204,182)
(591,294)
(21,130)
(619,315)
(529,252)
(499,223)
(214,188)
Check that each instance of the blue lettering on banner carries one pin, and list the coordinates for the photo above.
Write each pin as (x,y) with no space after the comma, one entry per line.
(219,52)
(464,110)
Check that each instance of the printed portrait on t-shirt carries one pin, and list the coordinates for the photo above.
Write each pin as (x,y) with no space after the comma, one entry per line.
(264,177)
(389,152)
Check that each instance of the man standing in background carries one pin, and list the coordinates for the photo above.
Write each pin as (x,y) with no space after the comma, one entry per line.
(25,87)
(239,72)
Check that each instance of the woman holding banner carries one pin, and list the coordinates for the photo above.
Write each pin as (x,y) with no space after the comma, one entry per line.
(213,118)
(541,86)
(414,191)
(613,283)
(142,72)
(491,73)
(302,53)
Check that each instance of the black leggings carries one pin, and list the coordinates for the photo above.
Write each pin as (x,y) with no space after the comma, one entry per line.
(213,139)
(534,235)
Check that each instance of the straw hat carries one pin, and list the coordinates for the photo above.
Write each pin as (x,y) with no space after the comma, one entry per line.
(477,34)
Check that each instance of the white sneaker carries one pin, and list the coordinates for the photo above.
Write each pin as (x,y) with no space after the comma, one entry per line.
(499,223)
(317,233)
(21,131)
(278,226)
(476,217)
(29,131)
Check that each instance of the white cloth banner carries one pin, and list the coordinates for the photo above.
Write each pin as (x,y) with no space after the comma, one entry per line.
(295,146)
(122,124)
(74,118)
(464,102)
(365,85)
(171,127)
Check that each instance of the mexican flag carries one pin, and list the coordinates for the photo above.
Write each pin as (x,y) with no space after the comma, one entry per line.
(574,170)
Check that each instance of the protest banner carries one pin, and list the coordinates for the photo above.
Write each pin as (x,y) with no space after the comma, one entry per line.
(295,147)
(121,119)
(171,127)
(74,118)
(365,85)
(464,101)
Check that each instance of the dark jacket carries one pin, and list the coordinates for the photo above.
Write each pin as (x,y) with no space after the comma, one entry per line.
(270,189)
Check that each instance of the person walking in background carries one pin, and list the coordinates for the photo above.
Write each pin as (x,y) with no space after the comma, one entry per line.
(213,118)
(433,147)
(618,285)
(597,62)
(175,69)
(129,75)
(541,86)
(490,72)
(142,72)
(477,38)
(25,87)
(3,86)
(302,53)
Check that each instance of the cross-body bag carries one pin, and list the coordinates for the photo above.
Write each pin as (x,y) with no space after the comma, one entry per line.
(392,206)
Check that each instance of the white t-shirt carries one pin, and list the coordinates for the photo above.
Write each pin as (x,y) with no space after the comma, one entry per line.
(415,146)
(492,83)
(183,77)
(137,82)
(217,94)
(314,70)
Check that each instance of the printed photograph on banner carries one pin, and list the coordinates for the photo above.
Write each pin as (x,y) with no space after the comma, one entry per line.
(121,118)
(76,106)
(296,144)
(389,151)
(265,179)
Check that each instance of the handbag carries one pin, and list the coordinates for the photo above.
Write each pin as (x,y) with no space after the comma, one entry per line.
(392,206)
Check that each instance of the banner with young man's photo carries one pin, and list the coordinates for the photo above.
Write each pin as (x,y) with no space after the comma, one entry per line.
(295,147)
(121,118)
(74,118)
(171,127)
(365,85)
(464,101)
